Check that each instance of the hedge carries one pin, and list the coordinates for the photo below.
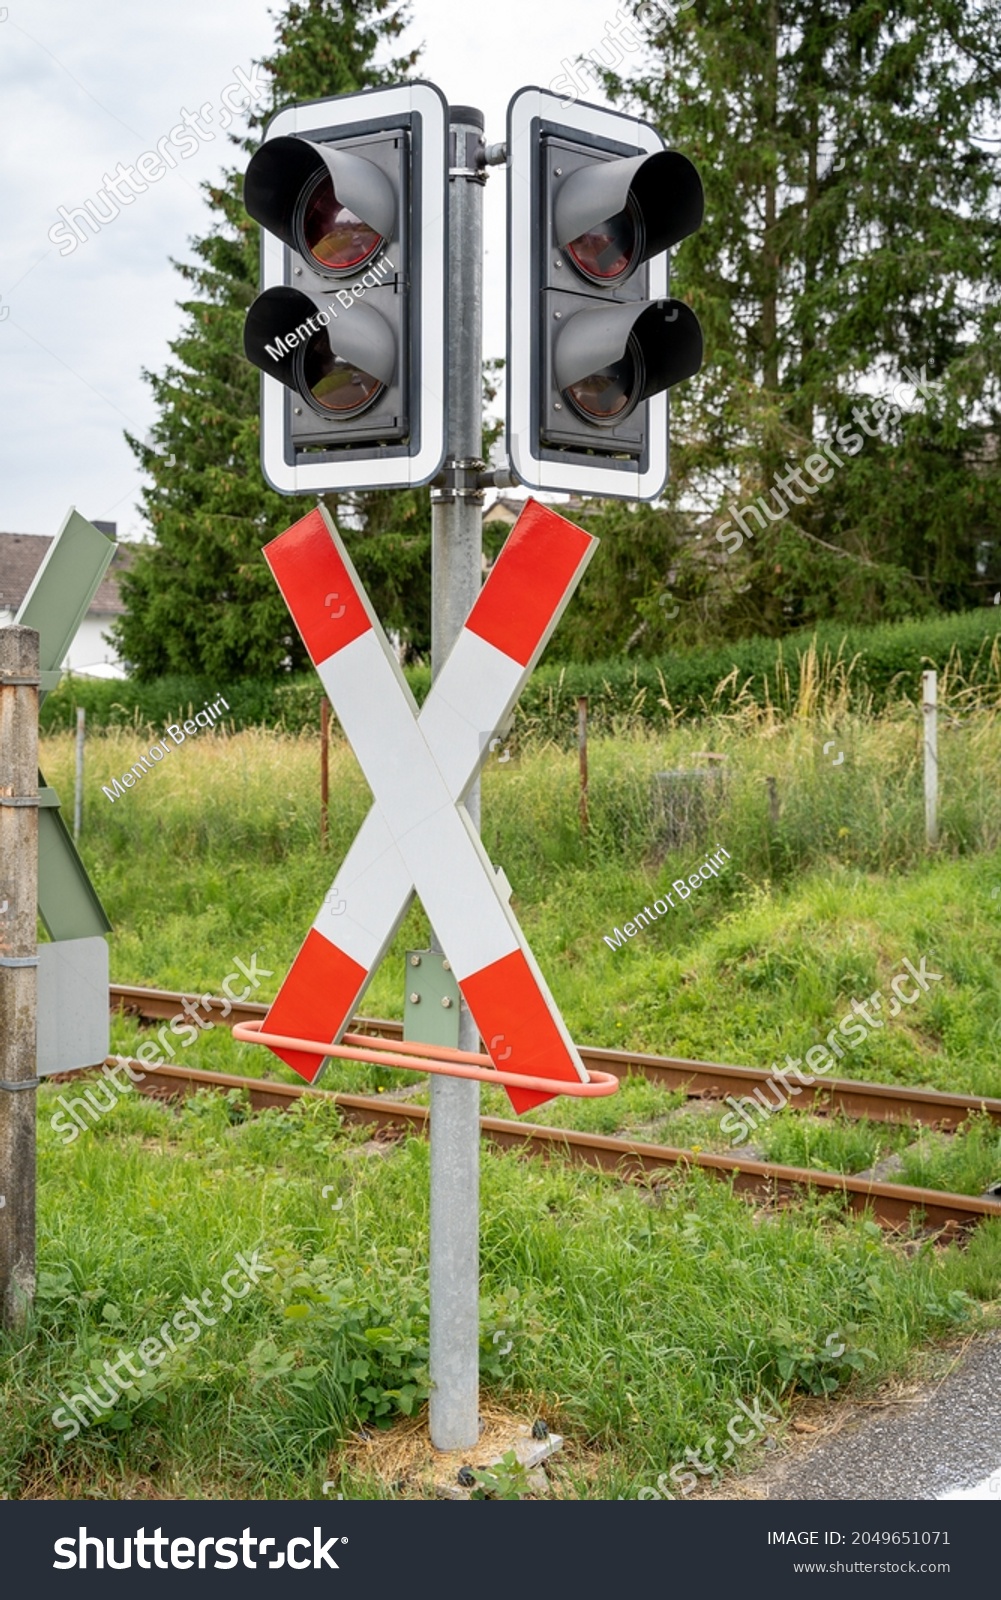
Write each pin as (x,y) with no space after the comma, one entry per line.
(886,662)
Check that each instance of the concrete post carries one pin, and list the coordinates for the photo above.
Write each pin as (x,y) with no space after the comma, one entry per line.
(18,967)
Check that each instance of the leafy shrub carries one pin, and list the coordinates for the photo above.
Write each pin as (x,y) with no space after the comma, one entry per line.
(819,1368)
(368,1340)
(870,667)
(365,1339)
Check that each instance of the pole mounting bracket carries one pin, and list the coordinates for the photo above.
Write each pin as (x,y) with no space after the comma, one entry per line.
(459,479)
(466,155)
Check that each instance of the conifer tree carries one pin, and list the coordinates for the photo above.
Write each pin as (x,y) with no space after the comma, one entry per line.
(849,150)
(200,599)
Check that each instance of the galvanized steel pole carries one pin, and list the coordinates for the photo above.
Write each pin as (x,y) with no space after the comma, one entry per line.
(18,967)
(456,578)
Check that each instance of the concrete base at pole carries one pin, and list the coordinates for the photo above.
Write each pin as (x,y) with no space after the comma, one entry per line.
(527,1474)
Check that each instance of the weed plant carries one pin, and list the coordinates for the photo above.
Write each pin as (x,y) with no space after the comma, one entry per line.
(970,1163)
(835,1144)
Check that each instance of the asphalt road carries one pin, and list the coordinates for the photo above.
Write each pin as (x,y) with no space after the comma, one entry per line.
(943,1443)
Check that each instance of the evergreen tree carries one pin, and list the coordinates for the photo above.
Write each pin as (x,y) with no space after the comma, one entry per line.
(850,159)
(201,599)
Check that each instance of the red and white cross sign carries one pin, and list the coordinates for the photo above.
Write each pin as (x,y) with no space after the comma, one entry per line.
(419,763)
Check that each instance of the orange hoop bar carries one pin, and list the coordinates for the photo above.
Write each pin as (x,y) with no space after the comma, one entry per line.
(449,1063)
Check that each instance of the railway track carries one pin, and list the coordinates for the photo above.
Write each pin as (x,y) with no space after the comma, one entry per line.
(893,1205)
(702,1080)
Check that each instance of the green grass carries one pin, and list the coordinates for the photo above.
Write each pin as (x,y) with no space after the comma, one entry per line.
(216,854)
(968,1164)
(836,1144)
(864,667)
(635,1321)
(630,1112)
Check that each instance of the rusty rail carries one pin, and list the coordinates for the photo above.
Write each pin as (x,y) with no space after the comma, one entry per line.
(702,1080)
(893,1205)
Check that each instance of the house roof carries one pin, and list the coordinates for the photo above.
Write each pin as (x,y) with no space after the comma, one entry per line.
(21,555)
(504,508)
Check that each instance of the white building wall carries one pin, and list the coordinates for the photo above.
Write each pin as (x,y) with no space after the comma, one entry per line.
(89,652)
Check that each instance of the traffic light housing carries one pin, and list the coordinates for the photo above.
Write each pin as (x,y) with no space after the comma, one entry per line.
(595,203)
(349,331)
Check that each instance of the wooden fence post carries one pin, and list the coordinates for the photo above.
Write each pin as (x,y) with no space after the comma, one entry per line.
(324,770)
(585,819)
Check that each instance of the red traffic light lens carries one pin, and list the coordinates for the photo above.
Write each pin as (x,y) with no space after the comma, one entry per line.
(609,395)
(333,383)
(335,238)
(608,250)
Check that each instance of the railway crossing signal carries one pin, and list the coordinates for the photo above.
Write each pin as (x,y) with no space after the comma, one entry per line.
(375,381)
(349,331)
(420,765)
(595,203)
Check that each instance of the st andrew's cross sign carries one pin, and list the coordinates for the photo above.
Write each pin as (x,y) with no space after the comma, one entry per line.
(419,763)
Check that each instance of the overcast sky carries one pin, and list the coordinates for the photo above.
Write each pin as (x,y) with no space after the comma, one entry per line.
(84,87)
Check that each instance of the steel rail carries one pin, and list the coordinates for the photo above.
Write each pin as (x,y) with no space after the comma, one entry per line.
(893,1205)
(702,1080)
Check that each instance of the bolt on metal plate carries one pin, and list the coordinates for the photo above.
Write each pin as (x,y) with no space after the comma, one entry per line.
(433,1002)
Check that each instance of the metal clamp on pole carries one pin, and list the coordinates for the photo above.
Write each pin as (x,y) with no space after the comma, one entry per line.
(12,1088)
(459,480)
(466,153)
(18,961)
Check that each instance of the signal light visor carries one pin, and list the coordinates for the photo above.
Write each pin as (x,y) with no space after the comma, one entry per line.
(333,207)
(658,196)
(339,362)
